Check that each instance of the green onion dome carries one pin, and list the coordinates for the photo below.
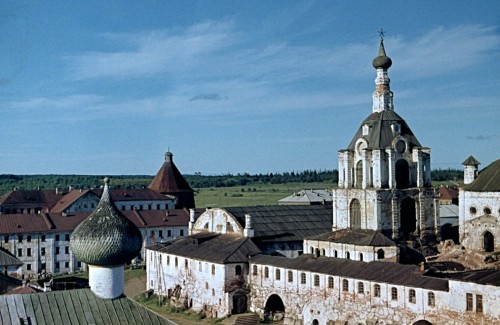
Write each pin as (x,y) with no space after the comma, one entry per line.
(382,60)
(106,237)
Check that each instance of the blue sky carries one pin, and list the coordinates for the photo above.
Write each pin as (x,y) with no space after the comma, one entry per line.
(107,87)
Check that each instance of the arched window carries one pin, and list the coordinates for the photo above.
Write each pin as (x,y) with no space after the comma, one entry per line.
(302,278)
(278,274)
(355,214)
(330,282)
(290,276)
(345,285)
(376,290)
(412,297)
(394,293)
(316,280)
(168,259)
(237,270)
(361,287)
(266,272)
(254,270)
(312,250)
(402,174)
(335,253)
(186,263)
(213,269)
(323,252)
(488,242)
(380,254)
(431,299)
(359,174)
(361,257)
(348,255)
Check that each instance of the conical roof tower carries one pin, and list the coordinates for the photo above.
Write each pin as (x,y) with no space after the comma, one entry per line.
(169,180)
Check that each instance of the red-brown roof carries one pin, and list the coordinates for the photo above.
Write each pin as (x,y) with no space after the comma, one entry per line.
(447,193)
(69,199)
(134,194)
(31,198)
(169,179)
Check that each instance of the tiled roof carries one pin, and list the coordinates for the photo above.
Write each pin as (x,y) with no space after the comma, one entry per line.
(56,222)
(471,161)
(381,134)
(362,237)
(169,179)
(31,198)
(211,247)
(488,179)
(285,222)
(448,193)
(79,306)
(69,199)
(7,259)
(383,272)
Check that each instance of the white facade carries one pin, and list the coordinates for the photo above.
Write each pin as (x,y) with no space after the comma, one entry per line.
(351,251)
(106,282)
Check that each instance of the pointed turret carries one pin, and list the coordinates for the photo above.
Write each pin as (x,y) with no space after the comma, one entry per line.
(382,96)
(471,166)
(105,241)
(169,180)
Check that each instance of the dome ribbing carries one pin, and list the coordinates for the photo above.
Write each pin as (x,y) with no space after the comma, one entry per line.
(106,237)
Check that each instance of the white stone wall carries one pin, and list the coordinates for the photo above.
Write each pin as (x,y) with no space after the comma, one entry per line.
(106,282)
(218,221)
(307,302)
(339,250)
(201,285)
(472,225)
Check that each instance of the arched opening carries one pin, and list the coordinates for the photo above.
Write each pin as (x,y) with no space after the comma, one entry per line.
(408,217)
(380,254)
(359,174)
(355,211)
(315,322)
(488,242)
(402,174)
(422,322)
(239,303)
(237,270)
(274,305)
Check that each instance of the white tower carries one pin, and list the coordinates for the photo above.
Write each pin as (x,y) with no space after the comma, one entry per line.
(471,166)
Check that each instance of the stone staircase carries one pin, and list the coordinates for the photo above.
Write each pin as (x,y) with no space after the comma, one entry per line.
(242,319)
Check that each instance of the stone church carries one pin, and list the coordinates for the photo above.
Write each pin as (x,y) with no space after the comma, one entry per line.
(384,173)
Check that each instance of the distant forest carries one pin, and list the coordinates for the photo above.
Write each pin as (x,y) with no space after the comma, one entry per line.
(9,182)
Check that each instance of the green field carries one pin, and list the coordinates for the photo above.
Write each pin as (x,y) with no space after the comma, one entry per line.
(251,194)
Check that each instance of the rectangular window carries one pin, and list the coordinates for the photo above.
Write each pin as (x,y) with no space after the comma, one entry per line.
(28,238)
(266,272)
(345,285)
(28,251)
(160,233)
(19,252)
(470,302)
(431,299)
(330,282)
(123,208)
(479,303)
(278,274)
(158,207)
(376,290)
(20,238)
(44,266)
(66,237)
(57,237)
(182,232)
(28,267)
(66,250)
(66,264)
(169,233)
(6,239)
(149,207)
(302,278)
(290,276)
(361,287)
(412,297)
(42,238)
(42,251)
(78,264)
(57,250)
(394,293)
(316,280)
(140,207)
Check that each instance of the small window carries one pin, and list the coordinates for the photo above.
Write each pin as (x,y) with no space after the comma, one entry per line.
(487,210)
(28,252)
(479,303)
(348,255)
(412,297)
(254,270)
(278,274)
(345,285)
(290,276)
(19,252)
(380,254)
(394,293)
(376,290)
(335,253)
(28,267)
(266,272)
(6,239)
(66,237)
(431,299)
(237,270)
(42,251)
(160,233)
(361,287)
(213,269)
(330,282)
(470,302)
(66,250)
(361,257)
(20,238)
(28,238)
(57,250)
(168,259)
(206,285)
(176,262)
(199,267)
(302,278)
(66,264)
(57,237)
(323,252)
(186,263)
(42,238)
(316,280)
(181,232)
(169,233)
(473,210)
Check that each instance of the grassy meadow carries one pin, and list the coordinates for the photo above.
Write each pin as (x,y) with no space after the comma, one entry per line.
(251,194)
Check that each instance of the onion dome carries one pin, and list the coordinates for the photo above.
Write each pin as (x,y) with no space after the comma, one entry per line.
(106,237)
(382,61)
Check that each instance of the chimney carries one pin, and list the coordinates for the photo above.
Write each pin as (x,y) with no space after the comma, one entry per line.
(191,221)
(248,231)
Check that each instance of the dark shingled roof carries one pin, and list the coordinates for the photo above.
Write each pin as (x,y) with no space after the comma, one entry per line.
(106,237)
(471,161)
(7,259)
(384,272)
(79,306)
(488,179)
(211,247)
(361,237)
(381,135)
(486,277)
(285,222)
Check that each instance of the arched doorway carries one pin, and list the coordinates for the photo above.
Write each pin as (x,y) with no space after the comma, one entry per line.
(380,254)
(488,242)
(408,216)
(239,303)
(402,174)
(422,322)
(355,212)
(274,305)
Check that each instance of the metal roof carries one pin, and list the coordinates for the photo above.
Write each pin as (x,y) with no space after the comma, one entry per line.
(317,196)
(7,259)
(285,222)
(376,271)
(169,179)
(485,277)
(211,247)
(79,306)
(488,179)
(361,237)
